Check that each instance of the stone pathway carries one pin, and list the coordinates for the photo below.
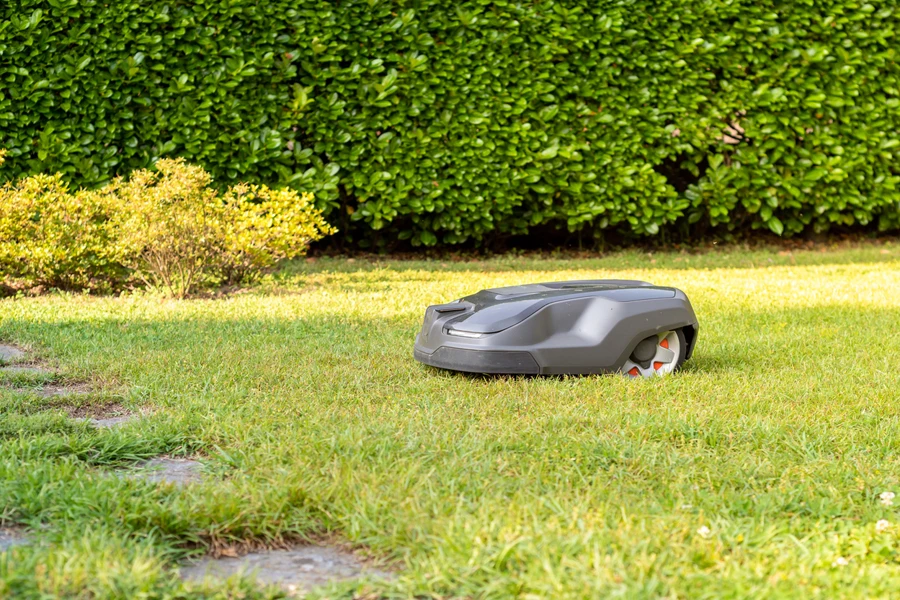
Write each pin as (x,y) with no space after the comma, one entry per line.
(63,391)
(110,422)
(177,471)
(297,570)
(10,538)
(26,370)
(100,416)
(10,353)
(13,361)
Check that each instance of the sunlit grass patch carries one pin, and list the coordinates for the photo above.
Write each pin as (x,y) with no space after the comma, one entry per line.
(749,473)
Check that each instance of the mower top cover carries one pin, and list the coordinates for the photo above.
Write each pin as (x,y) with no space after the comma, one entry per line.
(566,327)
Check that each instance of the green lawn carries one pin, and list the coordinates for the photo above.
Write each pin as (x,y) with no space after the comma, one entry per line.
(313,421)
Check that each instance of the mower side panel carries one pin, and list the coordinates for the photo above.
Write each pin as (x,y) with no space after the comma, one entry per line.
(583,334)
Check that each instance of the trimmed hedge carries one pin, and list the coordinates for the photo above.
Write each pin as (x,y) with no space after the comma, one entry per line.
(446,121)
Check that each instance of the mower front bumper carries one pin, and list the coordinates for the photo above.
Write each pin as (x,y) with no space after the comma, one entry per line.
(515,362)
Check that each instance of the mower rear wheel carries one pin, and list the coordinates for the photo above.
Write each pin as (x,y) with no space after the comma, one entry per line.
(660,356)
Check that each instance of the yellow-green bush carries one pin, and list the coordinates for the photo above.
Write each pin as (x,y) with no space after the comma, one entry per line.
(263,226)
(176,232)
(51,236)
(168,228)
(167,225)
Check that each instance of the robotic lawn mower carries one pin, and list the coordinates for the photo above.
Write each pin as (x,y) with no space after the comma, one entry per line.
(566,327)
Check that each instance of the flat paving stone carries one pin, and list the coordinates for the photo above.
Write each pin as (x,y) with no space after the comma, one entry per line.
(63,391)
(179,471)
(110,422)
(10,353)
(10,538)
(297,570)
(16,370)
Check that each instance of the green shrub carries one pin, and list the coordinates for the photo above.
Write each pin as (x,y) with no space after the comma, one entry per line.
(262,226)
(176,232)
(167,225)
(50,236)
(444,121)
(169,228)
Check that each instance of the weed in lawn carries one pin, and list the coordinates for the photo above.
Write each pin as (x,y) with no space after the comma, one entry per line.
(312,419)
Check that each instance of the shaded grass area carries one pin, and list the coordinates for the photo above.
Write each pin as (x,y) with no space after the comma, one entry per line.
(312,420)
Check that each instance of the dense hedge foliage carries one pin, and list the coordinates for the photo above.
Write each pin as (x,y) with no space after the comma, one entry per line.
(446,121)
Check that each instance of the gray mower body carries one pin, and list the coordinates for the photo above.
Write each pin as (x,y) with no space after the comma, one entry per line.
(568,327)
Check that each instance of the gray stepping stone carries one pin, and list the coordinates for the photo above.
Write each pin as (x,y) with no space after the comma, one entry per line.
(297,570)
(110,422)
(8,353)
(10,538)
(62,391)
(34,371)
(178,471)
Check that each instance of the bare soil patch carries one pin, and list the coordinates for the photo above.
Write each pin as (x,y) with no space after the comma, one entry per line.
(101,415)
(95,411)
